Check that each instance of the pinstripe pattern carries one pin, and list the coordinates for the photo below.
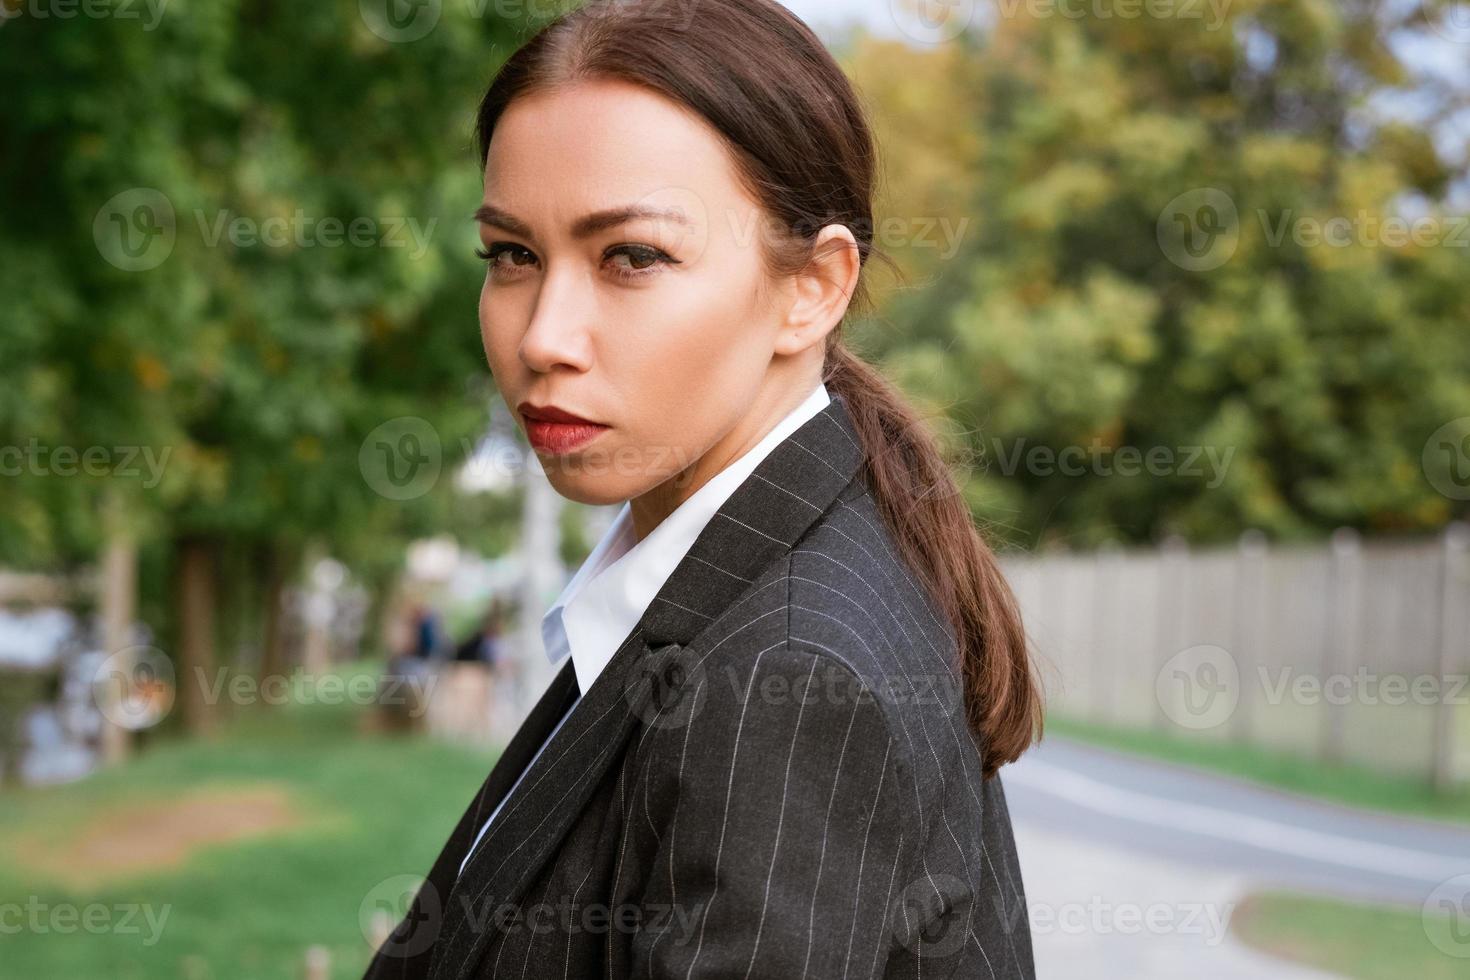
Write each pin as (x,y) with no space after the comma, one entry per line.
(772,777)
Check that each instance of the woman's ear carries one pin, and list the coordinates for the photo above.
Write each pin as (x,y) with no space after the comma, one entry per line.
(822,291)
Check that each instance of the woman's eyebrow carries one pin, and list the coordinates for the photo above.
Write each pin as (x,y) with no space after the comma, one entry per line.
(587,225)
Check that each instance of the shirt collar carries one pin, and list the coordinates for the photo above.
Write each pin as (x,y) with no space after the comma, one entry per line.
(614,586)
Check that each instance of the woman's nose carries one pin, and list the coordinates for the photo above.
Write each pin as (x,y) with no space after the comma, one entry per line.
(559,332)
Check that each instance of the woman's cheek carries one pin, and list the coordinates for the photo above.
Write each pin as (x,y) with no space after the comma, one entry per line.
(497,335)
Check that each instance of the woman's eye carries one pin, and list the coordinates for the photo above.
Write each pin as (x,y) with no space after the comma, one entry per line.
(628,262)
(641,260)
(519,257)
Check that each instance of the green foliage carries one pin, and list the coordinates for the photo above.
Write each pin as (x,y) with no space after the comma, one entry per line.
(318,182)
(1102,217)
(1140,274)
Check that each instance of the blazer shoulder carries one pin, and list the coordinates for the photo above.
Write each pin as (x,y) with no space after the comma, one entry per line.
(846,578)
(843,597)
(794,686)
(851,597)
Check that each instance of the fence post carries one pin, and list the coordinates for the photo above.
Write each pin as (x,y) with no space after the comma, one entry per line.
(1454,572)
(1338,638)
(1249,626)
(1171,615)
(1103,664)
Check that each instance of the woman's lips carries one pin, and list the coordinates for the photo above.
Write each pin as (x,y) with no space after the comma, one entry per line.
(552,429)
(561,437)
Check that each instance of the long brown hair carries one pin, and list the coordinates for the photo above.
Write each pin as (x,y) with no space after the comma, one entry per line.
(797,134)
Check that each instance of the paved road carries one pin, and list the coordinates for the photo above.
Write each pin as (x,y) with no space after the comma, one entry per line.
(1133,868)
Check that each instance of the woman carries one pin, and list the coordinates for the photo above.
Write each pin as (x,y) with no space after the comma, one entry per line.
(791,666)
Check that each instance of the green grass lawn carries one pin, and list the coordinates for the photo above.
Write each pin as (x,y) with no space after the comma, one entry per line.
(372,807)
(1359,941)
(1350,785)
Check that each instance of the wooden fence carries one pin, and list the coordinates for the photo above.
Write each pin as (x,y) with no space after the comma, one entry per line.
(1355,651)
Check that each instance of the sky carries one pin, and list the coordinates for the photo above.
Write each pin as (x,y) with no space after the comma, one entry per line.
(871,12)
(889,18)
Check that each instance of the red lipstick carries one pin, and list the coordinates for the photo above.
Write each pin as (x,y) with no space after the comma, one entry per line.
(555,430)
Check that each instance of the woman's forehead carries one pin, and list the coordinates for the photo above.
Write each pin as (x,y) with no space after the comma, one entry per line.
(607,144)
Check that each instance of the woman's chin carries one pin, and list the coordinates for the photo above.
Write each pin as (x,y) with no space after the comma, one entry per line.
(591,486)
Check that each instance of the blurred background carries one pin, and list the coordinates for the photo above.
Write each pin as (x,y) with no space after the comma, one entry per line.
(1185,288)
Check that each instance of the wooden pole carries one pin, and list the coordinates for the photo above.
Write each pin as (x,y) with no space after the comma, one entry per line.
(119,603)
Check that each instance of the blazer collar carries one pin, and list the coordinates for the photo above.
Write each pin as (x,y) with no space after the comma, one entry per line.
(755,526)
(622,576)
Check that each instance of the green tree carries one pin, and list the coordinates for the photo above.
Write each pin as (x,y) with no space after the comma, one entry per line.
(1140,274)
(239,238)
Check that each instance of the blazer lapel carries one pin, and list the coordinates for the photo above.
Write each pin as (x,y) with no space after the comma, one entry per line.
(756,525)
(407,952)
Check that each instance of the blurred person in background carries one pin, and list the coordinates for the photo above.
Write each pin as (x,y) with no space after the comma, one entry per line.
(429,640)
(469,696)
(484,644)
(418,648)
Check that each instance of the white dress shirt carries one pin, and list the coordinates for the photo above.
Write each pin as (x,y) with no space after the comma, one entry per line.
(612,589)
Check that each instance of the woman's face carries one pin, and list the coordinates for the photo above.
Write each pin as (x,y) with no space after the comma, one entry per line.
(625,285)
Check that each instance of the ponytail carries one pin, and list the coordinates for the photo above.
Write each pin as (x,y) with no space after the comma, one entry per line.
(918,498)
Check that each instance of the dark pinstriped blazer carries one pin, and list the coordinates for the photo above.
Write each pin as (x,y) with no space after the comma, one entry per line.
(772,778)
